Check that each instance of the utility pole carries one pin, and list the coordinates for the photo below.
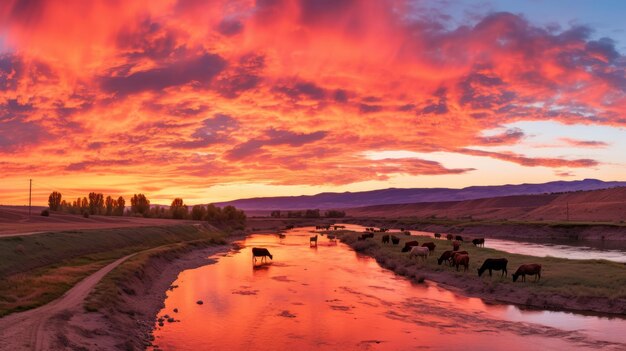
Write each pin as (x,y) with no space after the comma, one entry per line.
(30,195)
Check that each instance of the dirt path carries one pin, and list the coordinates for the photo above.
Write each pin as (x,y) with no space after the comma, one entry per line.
(35,329)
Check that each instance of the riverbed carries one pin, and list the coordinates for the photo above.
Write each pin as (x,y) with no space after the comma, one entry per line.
(329,297)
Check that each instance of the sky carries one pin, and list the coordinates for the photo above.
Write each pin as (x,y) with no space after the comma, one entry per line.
(219,100)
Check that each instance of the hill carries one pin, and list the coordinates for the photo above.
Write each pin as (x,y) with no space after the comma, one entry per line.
(608,205)
(412,195)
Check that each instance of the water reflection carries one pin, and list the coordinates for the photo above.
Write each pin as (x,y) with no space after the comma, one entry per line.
(573,250)
(328,297)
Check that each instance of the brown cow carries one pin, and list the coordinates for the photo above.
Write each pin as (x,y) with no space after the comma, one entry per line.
(386,239)
(456,253)
(461,260)
(449,237)
(528,269)
(395,240)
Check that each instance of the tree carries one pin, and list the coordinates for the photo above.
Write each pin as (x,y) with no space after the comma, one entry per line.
(96,203)
(178,209)
(312,214)
(275,214)
(84,204)
(109,204)
(54,201)
(139,204)
(213,214)
(334,214)
(198,212)
(119,206)
(294,214)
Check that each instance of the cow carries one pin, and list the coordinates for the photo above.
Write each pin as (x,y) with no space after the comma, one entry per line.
(449,237)
(437,235)
(289,227)
(461,260)
(395,240)
(421,252)
(528,269)
(313,240)
(408,245)
(431,246)
(456,253)
(496,264)
(456,245)
(479,242)
(261,252)
(458,238)
(385,239)
(445,256)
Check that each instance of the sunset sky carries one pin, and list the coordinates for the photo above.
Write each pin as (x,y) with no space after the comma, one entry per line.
(218,100)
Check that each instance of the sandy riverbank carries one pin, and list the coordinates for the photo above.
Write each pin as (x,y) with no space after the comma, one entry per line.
(127,324)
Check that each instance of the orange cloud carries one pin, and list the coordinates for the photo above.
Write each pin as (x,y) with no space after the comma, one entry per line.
(285,92)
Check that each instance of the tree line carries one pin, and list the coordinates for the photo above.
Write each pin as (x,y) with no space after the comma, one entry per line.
(97,204)
(308,214)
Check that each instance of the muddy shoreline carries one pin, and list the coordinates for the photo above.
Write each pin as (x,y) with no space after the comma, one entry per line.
(130,322)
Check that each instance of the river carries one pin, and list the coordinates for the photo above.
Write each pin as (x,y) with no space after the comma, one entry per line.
(572,250)
(329,297)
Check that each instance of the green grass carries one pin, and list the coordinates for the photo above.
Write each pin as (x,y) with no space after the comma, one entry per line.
(37,269)
(574,278)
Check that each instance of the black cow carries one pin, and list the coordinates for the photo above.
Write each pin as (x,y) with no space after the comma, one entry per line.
(479,242)
(458,238)
(496,264)
(408,245)
(395,240)
(445,256)
(261,252)
(385,239)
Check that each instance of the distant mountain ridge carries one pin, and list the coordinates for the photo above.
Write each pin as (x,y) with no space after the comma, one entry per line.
(413,195)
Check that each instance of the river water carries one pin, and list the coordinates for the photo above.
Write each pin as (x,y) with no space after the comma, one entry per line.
(329,297)
(572,250)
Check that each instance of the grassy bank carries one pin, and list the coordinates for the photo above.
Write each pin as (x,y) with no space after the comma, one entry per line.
(117,282)
(37,269)
(585,285)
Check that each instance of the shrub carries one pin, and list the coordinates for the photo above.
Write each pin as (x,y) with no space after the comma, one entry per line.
(86,214)
(45,213)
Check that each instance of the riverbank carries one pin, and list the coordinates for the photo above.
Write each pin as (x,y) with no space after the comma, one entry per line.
(515,230)
(577,285)
(121,312)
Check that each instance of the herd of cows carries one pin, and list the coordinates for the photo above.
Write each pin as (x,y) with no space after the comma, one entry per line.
(454,258)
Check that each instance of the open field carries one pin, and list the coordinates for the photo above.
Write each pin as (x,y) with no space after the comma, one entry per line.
(38,268)
(15,220)
(583,285)
(608,205)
